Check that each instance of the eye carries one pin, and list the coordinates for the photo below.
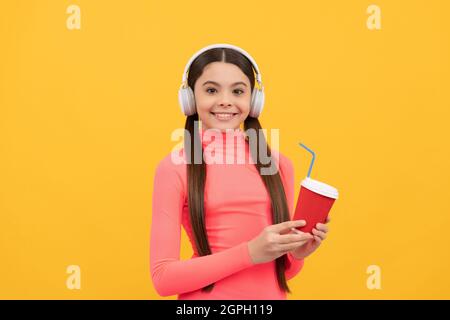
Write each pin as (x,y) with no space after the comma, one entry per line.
(208,90)
(239,90)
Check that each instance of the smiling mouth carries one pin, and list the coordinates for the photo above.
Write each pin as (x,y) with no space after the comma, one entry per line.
(224,116)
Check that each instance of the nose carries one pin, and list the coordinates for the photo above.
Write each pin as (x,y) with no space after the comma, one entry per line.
(225,101)
(225,104)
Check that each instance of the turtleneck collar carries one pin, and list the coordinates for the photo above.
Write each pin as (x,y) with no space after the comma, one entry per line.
(224,146)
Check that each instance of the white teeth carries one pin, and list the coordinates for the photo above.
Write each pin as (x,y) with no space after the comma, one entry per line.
(223,116)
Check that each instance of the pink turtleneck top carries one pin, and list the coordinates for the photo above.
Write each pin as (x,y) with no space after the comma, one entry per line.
(237,207)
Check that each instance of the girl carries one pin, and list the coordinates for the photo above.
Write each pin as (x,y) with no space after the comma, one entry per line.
(237,219)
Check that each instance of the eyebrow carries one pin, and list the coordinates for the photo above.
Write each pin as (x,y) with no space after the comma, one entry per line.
(215,83)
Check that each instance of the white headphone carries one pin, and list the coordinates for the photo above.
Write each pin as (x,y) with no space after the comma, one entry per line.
(186,95)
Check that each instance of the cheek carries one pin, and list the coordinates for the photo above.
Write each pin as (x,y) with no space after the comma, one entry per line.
(203,102)
(204,110)
(244,107)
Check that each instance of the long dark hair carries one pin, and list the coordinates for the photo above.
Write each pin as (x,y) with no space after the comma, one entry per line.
(196,172)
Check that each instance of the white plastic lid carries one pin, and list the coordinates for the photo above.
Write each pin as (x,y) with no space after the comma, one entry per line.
(320,188)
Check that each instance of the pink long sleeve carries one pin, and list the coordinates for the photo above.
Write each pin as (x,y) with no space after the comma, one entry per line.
(171,275)
(237,207)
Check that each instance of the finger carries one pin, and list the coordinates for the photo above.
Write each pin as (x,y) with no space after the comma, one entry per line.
(317,240)
(300,232)
(291,246)
(328,219)
(280,227)
(322,227)
(296,231)
(320,234)
(293,237)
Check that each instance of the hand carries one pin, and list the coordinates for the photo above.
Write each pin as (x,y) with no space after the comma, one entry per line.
(319,233)
(274,242)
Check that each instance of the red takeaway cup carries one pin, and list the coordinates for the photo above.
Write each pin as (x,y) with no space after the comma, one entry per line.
(314,203)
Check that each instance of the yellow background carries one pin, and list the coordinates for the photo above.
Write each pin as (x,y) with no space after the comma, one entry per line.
(85,116)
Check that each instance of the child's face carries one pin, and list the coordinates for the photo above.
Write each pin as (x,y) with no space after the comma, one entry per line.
(222,88)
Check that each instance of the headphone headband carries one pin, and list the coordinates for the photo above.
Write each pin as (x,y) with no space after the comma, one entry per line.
(222,45)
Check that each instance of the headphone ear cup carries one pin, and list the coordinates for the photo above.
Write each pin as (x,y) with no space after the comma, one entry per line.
(187,101)
(257,103)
